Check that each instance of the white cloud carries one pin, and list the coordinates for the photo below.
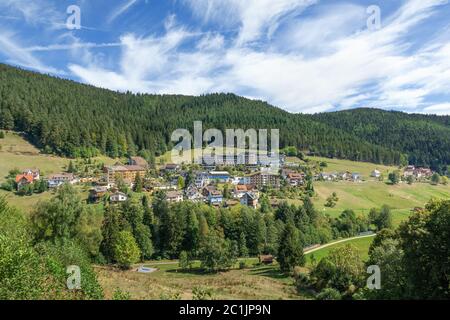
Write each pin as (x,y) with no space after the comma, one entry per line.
(349,66)
(440,109)
(254,17)
(19,56)
(124,7)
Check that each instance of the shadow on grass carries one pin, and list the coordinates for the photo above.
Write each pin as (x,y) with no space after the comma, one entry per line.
(270,271)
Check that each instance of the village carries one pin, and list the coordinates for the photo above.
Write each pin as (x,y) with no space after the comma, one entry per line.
(239,181)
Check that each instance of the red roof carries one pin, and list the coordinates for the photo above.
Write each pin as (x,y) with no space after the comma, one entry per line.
(27,177)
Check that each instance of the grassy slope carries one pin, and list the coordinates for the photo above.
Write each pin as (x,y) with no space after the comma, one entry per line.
(371,193)
(363,168)
(254,283)
(362,245)
(16,152)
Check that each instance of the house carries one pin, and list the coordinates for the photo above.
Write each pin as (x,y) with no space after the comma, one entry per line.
(96,193)
(265,179)
(409,171)
(126,173)
(356,177)
(118,197)
(296,179)
(375,174)
(201,179)
(266,259)
(423,173)
(59,179)
(345,176)
(219,176)
(138,161)
(174,196)
(239,191)
(325,176)
(193,194)
(236,180)
(215,197)
(286,172)
(32,172)
(250,199)
(212,195)
(171,167)
(23,180)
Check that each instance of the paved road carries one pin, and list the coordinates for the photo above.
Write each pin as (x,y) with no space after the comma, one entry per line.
(337,242)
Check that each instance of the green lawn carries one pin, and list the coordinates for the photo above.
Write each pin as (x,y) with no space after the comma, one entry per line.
(363,168)
(362,245)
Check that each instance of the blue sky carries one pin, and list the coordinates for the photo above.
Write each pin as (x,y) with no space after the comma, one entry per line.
(300,55)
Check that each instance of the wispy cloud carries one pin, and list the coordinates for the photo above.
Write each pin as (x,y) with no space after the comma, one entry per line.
(121,10)
(301,55)
(17,55)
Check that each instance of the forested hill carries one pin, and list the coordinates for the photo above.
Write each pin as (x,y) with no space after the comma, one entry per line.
(425,138)
(74,119)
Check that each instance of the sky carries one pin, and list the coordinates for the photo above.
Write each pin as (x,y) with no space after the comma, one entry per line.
(304,56)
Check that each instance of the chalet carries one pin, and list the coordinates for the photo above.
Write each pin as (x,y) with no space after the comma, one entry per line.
(32,172)
(59,179)
(262,179)
(215,197)
(423,173)
(172,167)
(201,179)
(23,180)
(418,173)
(250,199)
(206,190)
(240,190)
(174,196)
(296,179)
(325,176)
(126,173)
(96,193)
(375,174)
(138,161)
(347,176)
(409,171)
(118,197)
(193,194)
(266,259)
(286,172)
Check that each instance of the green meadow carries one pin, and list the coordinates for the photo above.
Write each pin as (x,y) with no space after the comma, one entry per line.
(361,244)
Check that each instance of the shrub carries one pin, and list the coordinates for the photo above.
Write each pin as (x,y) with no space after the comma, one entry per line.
(329,294)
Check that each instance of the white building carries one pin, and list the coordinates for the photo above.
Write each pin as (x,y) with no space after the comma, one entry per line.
(118,197)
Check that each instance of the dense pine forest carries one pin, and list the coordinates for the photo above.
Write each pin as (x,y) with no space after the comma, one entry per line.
(67,118)
(425,138)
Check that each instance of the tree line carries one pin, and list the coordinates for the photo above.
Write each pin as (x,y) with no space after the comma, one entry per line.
(425,139)
(76,120)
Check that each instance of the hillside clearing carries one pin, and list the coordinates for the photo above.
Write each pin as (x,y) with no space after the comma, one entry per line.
(255,283)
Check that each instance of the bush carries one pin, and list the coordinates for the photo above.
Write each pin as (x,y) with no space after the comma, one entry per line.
(329,294)
(121,295)
(202,293)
